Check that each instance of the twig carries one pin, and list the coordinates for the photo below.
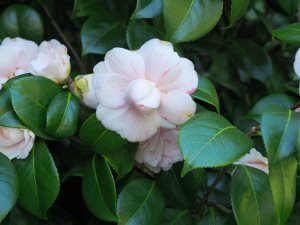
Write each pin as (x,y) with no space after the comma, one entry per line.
(220,207)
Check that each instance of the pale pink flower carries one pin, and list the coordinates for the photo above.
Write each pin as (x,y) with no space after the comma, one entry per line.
(140,91)
(254,159)
(15,56)
(52,62)
(297,110)
(160,151)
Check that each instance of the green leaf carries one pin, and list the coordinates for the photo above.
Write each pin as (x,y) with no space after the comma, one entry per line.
(31,96)
(140,202)
(212,217)
(39,180)
(62,115)
(289,34)
(283,184)
(138,32)
(88,8)
(98,188)
(238,9)
(8,117)
(22,21)
(147,9)
(98,37)
(209,140)
(251,197)
(177,217)
(190,19)
(268,102)
(289,6)
(102,140)
(206,92)
(280,127)
(9,186)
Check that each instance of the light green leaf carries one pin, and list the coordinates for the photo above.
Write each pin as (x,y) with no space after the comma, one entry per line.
(9,186)
(209,140)
(289,34)
(39,180)
(190,19)
(238,9)
(99,190)
(146,203)
(147,9)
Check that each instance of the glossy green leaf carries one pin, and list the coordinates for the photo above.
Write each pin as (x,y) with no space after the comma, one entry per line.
(190,19)
(283,185)
(9,186)
(22,21)
(101,139)
(289,6)
(269,101)
(238,8)
(138,32)
(209,140)
(31,96)
(88,8)
(251,197)
(39,180)
(147,9)
(280,127)
(98,188)
(8,117)
(140,202)
(98,37)
(177,217)
(62,115)
(289,34)
(212,217)
(206,92)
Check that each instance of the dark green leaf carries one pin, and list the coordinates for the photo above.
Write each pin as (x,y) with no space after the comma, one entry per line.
(206,92)
(289,6)
(62,115)
(147,9)
(39,180)
(98,37)
(289,34)
(140,202)
(22,21)
(191,19)
(99,190)
(238,8)
(20,217)
(209,140)
(30,96)
(88,8)
(212,217)
(101,139)
(8,186)
(251,197)
(177,217)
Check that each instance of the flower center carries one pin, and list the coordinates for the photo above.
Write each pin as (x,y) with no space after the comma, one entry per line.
(143,94)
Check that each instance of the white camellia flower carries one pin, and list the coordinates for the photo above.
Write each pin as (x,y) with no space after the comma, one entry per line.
(15,56)
(160,151)
(52,62)
(140,91)
(15,142)
(254,159)
(297,65)
(82,87)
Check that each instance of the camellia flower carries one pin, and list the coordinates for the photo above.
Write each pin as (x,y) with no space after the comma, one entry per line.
(15,56)
(160,151)
(82,87)
(140,91)
(297,110)
(52,62)
(15,142)
(254,159)
(297,64)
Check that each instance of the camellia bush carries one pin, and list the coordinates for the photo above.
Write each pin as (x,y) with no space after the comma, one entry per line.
(149,112)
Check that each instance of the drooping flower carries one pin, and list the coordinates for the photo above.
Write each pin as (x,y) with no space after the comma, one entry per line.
(254,159)
(15,56)
(15,142)
(160,151)
(52,62)
(82,87)
(140,91)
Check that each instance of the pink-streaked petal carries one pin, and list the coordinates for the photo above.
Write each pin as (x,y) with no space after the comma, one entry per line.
(129,123)
(126,63)
(110,89)
(148,47)
(177,107)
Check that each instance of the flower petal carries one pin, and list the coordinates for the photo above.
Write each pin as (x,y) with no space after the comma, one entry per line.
(126,63)
(297,63)
(177,107)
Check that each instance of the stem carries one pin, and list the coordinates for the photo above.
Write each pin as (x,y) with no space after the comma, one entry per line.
(64,38)
(220,207)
